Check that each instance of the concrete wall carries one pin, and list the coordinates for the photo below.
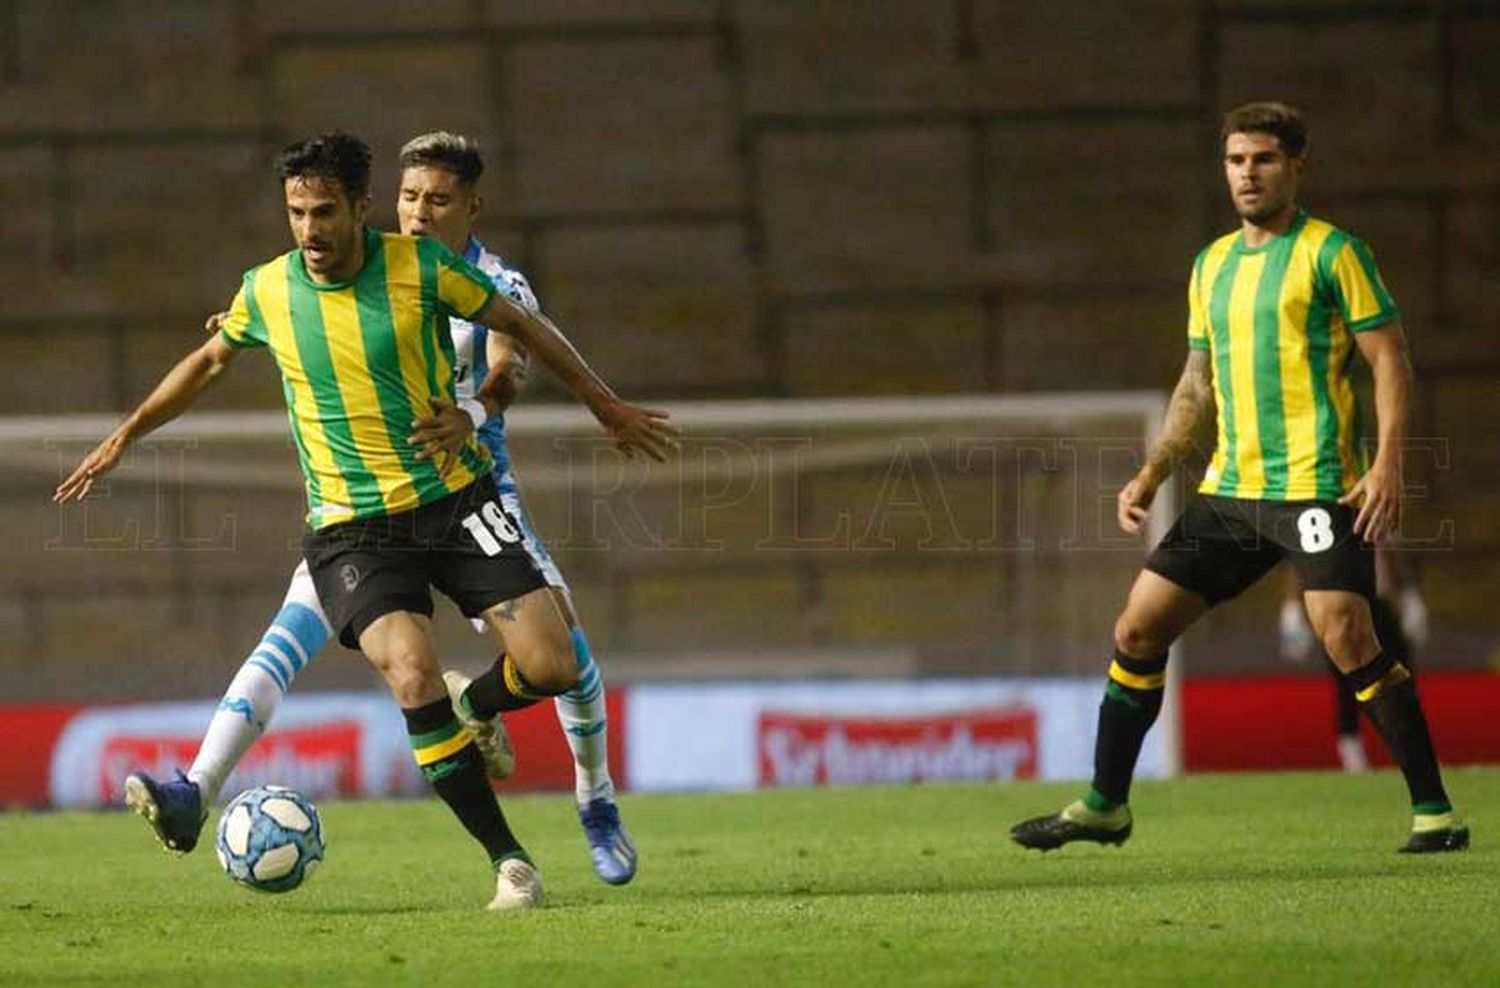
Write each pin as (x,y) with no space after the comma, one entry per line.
(724,199)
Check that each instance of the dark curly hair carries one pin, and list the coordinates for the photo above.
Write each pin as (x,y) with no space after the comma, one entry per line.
(336,155)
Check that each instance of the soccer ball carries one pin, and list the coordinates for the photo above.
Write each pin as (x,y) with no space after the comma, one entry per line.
(270,839)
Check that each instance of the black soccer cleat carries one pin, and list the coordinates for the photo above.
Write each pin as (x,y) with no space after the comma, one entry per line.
(174,809)
(1046,833)
(1436,841)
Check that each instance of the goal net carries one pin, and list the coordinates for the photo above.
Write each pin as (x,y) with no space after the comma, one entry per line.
(883,537)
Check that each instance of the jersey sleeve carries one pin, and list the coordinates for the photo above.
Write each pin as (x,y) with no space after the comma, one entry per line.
(516,288)
(1197,327)
(462,289)
(1361,294)
(243,326)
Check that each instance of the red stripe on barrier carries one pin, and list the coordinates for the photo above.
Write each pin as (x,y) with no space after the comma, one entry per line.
(543,758)
(28,735)
(1287,722)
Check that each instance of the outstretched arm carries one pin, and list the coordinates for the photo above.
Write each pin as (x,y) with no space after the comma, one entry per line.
(1189,416)
(1378,492)
(633,428)
(178,389)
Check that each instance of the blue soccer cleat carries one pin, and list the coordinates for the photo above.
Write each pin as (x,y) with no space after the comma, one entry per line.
(174,809)
(609,845)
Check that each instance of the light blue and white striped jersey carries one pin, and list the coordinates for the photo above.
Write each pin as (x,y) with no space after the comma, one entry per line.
(472,363)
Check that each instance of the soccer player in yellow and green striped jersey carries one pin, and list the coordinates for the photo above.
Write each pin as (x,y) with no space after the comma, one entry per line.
(1278,320)
(1276,311)
(359,362)
(357,323)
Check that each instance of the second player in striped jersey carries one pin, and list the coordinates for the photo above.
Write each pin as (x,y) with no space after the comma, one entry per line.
(1279,322)
(1276,311)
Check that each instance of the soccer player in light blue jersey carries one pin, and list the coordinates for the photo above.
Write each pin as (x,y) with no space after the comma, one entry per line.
(438,198)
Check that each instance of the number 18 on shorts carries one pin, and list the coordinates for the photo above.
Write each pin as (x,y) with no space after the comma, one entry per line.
(465,545)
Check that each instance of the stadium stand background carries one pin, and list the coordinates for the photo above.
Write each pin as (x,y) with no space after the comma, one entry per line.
(721,200)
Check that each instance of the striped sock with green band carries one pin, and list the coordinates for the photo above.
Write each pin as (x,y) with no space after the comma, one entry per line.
(1438,809)
(518,854)
(446,754)
(1132,699)
(1388,694)
(1098,802)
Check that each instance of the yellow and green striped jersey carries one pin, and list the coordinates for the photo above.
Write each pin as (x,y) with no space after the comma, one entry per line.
(1278,322)
(359,361)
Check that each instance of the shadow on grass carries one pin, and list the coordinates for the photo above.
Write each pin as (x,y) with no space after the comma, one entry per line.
(1079,872)
(375,910)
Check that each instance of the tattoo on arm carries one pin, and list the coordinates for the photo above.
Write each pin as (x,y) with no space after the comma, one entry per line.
(1189,414)
(506,610)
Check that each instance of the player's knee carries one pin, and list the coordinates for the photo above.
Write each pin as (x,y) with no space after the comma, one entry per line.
(552,670)
(1347,635)
(1137,639)
(560,672)
(410,672)
(414,685)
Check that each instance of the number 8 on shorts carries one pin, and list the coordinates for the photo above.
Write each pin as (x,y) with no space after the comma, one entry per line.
(1315,526)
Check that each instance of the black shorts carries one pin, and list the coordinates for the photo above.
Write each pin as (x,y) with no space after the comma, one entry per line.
(465,545)
(1219,546)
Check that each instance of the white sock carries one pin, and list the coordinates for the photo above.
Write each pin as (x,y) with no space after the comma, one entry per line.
(241,718)
(582,715)
(295,635)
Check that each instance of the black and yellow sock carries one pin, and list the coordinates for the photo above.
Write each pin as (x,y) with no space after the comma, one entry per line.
(500,688)
(1132,699)
(1392,641)
(1385,689)
(446,754)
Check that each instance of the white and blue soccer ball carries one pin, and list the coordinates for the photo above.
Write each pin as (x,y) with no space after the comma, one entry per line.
(270,839)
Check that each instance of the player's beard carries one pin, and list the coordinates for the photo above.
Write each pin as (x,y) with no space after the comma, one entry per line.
(1264,211)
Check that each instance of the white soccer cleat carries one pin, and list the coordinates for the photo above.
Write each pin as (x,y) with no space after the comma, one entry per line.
(490,736)
(517,886)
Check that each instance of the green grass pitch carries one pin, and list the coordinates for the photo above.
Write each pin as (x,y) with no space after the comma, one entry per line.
(1229,880)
